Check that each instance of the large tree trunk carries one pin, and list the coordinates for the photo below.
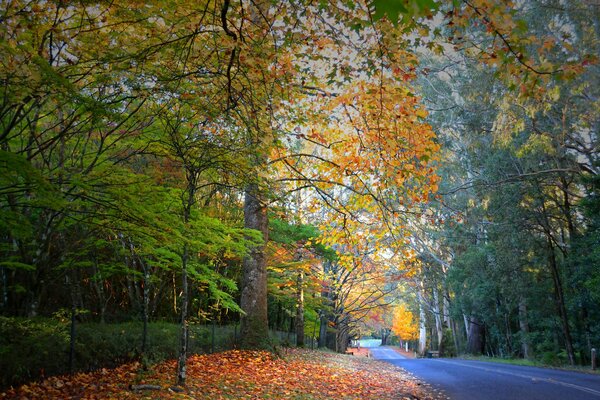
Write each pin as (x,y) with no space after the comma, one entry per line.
(323,323)
(439,327)
(254,323)
(385,336)
(342,336)
(476,341)
(422,325)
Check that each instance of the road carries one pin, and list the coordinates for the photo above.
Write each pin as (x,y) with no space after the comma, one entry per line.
(477,380)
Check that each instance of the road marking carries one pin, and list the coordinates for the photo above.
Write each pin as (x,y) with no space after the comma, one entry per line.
(533,378)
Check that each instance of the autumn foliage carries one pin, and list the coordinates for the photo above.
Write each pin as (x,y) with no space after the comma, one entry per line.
(404,325)
(240,374)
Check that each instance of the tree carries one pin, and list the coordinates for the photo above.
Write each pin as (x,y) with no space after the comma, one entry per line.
(508,220)
(404,325)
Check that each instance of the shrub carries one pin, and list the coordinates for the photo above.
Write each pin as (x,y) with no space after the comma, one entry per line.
(33,348)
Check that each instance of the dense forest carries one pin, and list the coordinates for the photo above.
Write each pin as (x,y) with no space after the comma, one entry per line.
(419,170)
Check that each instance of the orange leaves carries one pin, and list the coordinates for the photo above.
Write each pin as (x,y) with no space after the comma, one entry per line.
(102,384)
(240,374)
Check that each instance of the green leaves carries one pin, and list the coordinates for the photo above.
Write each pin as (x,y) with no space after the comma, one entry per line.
(283,232)
(390,8)
(14,265)
(397,10)
(220,288)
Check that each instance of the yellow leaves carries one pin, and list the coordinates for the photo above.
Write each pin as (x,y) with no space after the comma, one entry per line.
(547,45)
(404,324)
(421,113)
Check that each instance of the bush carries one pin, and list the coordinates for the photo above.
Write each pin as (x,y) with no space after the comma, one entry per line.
(33,348)
(108,345)
(448,344)
(553,358)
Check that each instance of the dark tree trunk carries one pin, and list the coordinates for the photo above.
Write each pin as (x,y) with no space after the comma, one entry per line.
(324,321)
(385,336)
(476,342)
(560,303)
(145,307)
(254,324)
(524,328)
(342,334)
(98,284)
(455,336)
(4,301)
(72,339)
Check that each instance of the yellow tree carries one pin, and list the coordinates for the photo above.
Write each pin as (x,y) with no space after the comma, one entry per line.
(404,324)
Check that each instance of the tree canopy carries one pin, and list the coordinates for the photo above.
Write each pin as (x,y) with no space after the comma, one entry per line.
(425,167)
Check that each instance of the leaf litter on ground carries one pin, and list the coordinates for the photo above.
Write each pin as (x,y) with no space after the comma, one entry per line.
(294,374)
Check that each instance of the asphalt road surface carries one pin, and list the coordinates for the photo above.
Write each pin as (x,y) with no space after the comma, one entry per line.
(477,380)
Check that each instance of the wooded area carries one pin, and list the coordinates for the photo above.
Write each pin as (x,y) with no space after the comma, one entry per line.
(423,169)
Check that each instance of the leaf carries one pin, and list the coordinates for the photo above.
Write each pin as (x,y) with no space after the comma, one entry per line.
(394,8)
(389,8)
(14,265)
(296,373)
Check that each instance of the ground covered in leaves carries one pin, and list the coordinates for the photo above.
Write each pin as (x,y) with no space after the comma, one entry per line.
(294,374)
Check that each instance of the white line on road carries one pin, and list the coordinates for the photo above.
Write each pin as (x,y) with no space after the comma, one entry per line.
(533,378)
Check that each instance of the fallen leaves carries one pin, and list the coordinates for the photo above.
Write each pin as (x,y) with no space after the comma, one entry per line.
(296,374)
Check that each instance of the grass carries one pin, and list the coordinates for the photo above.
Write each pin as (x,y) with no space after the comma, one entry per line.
(531,363)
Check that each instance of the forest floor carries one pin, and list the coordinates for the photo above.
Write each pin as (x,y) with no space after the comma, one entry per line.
(294,374)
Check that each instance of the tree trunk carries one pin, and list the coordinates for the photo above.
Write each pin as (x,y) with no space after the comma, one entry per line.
(145,307)
(342,335)
(183,337)
(439,327)
(455,337)
(524,327)
(98,284)
(300,310)
(72,339)
(560,303)
(324,321)
(324,315)
(422,325)
(254,323)
(385,336)
(4,301)
(476,342)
